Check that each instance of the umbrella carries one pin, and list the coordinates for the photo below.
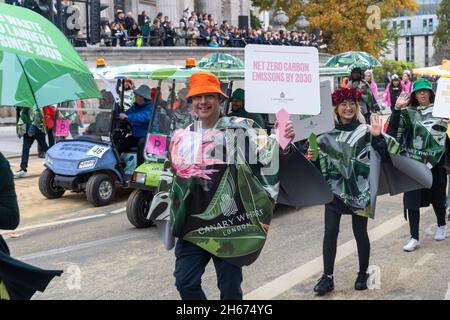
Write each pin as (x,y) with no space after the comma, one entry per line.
(353,59)
(220,61)
(38,65)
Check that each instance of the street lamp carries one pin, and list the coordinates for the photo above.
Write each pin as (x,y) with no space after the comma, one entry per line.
(281,18)
(302,23)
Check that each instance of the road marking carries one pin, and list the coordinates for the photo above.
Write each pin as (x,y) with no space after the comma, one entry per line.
(56,223)
(406,272)
(447,296)
(79,246)
(315,266)
(118,210)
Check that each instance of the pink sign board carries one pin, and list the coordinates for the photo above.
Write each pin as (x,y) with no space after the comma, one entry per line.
(282,118)
(62,128)
(156,144)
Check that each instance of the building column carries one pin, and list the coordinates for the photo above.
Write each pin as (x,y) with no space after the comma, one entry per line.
(210,7)
(169,8)
(174,8)
(245,8)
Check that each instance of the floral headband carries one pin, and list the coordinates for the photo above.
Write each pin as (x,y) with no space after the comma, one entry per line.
(340,95)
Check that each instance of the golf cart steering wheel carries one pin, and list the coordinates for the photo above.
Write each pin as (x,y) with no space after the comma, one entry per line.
(124,125)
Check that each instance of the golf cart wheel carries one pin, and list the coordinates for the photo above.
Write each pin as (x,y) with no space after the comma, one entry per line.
(100,189)
(138,205)
(47,185)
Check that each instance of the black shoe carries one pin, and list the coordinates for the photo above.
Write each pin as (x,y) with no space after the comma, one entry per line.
(361,281)
(324,285)
(41,155)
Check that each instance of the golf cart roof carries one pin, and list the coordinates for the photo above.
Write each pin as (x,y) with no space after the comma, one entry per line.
(164,72)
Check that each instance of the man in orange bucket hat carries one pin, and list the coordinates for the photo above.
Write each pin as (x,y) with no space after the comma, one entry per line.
(220,209)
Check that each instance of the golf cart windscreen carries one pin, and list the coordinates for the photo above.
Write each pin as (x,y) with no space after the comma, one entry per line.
(90,118)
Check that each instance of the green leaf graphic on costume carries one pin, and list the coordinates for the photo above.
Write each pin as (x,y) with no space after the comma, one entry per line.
(245,239)
(179,193)
(257,204)
(222,201)
(393,146)
(345,164)
(422,136)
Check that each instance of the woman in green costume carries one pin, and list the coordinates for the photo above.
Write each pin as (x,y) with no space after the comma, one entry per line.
(344,162)
(422,137)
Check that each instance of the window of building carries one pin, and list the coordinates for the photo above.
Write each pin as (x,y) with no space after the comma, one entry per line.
(427,59)
(396,50)
(425,25)
(412,49)
(402,26)
(430,25)
(408,26)
(408,49)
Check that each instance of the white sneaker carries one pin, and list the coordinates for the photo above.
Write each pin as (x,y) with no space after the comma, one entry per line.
(412,245)
(19,174)
(441,233)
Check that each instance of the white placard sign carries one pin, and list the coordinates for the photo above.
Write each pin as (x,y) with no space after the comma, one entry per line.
(282,77)
(323,122)
(441,107)
(97,151)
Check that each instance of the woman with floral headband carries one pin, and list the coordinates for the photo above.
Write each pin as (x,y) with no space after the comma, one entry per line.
(345,164)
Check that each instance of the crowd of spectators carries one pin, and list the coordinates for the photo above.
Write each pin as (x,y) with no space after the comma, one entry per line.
(195,30)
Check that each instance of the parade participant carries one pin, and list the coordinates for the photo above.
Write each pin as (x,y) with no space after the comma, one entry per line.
(238,108)
(406,81)
(423,138)
(17,279)
(392,92)
(368,102)
(30,126)
(368,76)
(139,116)
(220,210)
(345,164)
(49,119)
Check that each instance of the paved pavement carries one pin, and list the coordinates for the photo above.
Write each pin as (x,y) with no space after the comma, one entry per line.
(105,257)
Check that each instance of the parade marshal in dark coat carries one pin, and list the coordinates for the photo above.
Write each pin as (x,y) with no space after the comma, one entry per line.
(18,280)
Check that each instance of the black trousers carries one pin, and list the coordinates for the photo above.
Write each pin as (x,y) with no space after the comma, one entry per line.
(51,140)
(27,143)
(190,265)
(414,219)
(130,142)
(332,222)
(436,196)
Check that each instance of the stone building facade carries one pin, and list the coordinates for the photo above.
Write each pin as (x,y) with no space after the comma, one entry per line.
(228,10)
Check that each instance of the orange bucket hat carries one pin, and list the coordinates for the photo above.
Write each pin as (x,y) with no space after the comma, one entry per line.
(204,83)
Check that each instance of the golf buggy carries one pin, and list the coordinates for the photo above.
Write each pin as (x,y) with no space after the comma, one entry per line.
(89,161)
